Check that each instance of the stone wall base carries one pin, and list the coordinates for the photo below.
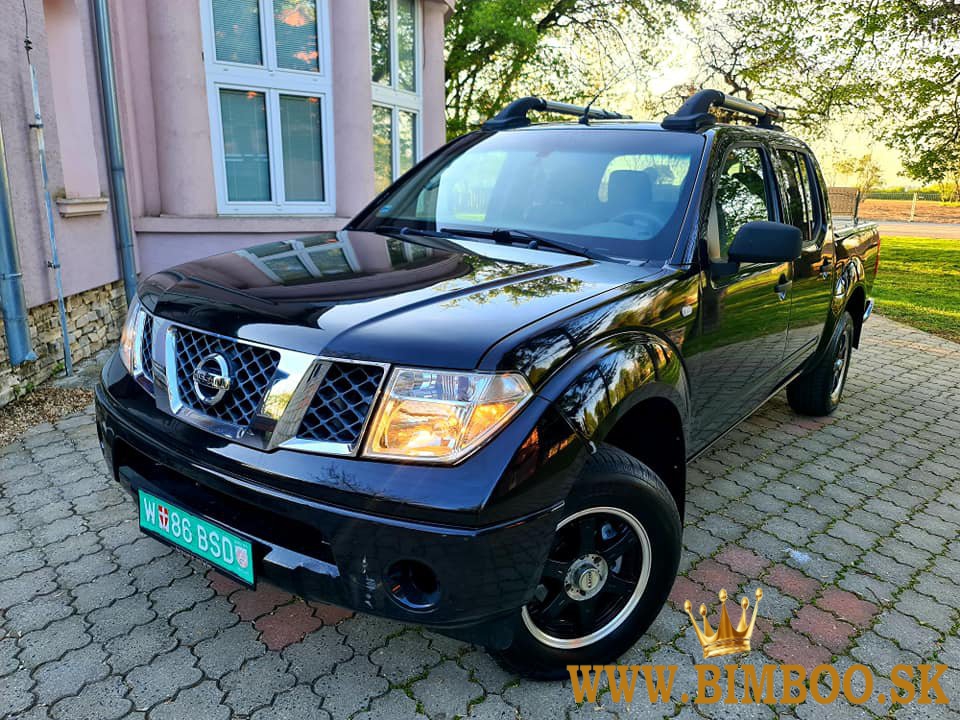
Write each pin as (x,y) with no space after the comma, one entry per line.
(94,319)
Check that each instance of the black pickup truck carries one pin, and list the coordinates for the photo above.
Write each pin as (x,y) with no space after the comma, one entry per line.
(472,408)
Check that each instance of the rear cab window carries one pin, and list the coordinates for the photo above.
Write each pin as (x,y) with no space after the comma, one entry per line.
(801,195)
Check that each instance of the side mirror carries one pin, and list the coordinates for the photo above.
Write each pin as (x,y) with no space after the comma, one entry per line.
(766,242)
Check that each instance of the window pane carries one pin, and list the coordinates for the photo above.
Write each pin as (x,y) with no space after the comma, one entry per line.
(380,40)
(741,195)
(330,261)
(296,27)
(407,136)
(236,26)
(244,117)
(287,267)
(797,202)
(382,147)
(302,148)
(406,45)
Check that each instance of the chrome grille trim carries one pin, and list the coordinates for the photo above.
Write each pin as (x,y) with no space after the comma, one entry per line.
(279,414)
(143,351)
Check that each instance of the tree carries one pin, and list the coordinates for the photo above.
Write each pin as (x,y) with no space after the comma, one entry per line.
(863,169)
(568,49)
(895,62)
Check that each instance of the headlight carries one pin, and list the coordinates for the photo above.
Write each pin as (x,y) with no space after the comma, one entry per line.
(128,338)
(436,416)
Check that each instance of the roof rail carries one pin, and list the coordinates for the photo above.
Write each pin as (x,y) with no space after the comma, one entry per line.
(695,114)
(514,115)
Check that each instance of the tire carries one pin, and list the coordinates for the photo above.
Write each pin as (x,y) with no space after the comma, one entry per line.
(818,391)
(617,496)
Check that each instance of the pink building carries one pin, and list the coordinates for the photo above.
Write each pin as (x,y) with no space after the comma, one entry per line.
(240,119)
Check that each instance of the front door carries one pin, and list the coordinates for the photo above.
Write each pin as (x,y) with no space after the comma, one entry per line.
(744,309)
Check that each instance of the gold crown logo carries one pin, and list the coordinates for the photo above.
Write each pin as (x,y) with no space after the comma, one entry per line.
(727,639)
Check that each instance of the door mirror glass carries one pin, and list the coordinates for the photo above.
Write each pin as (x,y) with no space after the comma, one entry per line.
(762,241)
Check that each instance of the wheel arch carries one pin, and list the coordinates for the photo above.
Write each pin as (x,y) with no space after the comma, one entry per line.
(857,305)
(631,391)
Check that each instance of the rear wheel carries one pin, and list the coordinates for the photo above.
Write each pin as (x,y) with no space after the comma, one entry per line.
(609,571)
(819,390)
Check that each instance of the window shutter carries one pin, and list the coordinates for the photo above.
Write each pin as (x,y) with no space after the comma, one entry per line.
(295,22)
(236,25)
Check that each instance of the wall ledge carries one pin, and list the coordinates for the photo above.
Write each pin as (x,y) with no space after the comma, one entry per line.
(238,224)
(78,207)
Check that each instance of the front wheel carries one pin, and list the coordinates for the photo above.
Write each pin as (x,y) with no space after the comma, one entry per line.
(818,391)
(609,570)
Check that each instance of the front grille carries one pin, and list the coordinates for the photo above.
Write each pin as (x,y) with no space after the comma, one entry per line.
(146,348)
(251,369)
(341,404)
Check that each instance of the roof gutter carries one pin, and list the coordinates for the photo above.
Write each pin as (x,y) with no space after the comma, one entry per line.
(118,176)
(12,303)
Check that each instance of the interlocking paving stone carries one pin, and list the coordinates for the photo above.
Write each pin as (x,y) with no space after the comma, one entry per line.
(405,657)
(493,707)
(317,654)
(848,523)
(228,650)
(162,678)
(447,689)
(103,700)
(52,641)
(16,695)
(120,618)
(200,701)
(153,639)
(64,677)
(297,703)
(358,674)
(256,684)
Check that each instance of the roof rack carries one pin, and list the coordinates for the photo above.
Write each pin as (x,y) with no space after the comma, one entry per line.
(514,115)
(695,114)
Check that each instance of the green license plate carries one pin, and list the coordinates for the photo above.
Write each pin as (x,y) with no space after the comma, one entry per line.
(218,547)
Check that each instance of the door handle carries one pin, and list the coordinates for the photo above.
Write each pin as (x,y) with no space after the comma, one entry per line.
(825,269)
(783,287)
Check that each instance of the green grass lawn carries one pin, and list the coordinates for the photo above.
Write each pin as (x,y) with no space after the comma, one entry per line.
(919,284)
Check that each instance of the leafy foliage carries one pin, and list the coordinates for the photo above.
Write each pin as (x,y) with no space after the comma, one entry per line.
(501,49)
(894,61)
(864,169)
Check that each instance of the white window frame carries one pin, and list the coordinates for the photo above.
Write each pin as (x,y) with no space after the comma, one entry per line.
(392,97)
(302,253)
(272,81)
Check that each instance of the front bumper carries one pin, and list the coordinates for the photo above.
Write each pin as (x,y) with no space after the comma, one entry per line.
(330,552)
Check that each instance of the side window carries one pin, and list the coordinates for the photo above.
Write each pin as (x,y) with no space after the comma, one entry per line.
(811,183)
(741,197)
(798,208)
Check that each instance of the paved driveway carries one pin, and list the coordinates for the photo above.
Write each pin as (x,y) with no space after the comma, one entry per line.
(947,231)
(850,526)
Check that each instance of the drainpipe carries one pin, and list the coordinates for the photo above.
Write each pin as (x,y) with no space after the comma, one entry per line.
(54,262)
(118,176)
(11,279)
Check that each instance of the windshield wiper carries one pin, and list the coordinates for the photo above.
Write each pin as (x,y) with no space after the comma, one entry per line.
(502,237)
(533,241)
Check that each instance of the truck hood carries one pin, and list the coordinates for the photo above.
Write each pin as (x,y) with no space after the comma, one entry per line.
(368,296)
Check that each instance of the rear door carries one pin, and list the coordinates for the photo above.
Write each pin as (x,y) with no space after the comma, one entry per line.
(803,204)
(737,358)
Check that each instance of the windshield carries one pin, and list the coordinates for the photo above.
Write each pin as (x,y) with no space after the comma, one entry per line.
(618,192)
